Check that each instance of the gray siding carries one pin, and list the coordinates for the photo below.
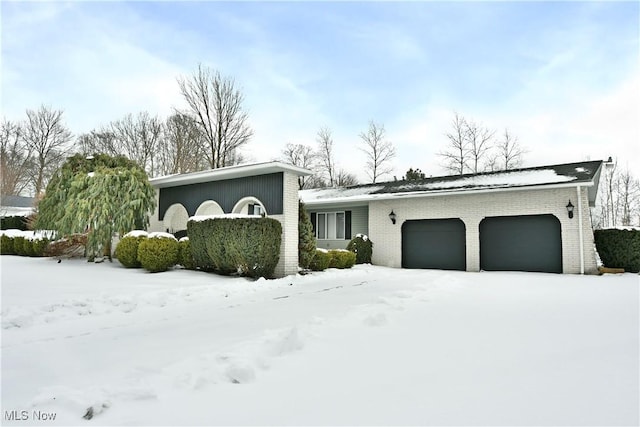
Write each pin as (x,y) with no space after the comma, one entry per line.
(359,224)
(266,188)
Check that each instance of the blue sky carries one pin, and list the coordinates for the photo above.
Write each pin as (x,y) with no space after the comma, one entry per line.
(563,77)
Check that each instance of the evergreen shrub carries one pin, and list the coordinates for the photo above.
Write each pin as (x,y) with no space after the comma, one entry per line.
(21,245)
(619,248)
(362,246)
(185,257)
(158,253)
(13,222)
(6,245)
(341,258)
(127,251)
(306,238)
(320,261)
(38,247)
(198,237)
(245,246)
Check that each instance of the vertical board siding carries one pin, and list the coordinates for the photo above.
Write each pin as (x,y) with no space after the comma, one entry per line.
(266,188)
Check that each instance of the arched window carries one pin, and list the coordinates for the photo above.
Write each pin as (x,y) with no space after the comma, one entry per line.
(249,206)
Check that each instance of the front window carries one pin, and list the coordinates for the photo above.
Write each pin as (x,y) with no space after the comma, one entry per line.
(330,226)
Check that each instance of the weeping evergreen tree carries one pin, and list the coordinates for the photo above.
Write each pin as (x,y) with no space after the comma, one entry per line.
(98,195)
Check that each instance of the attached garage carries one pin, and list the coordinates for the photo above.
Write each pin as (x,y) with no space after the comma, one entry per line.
(434,243)
(521,243)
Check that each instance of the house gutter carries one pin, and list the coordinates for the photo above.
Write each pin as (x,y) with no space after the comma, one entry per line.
(580,231)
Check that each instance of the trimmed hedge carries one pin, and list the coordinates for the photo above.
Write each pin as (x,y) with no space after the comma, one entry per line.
(185,257)
(127,251)
(198,237)
(619,248)
(341,258)
(245,246)
(20,245)
(320,261)
(13,222)
(158,253)
(6,245)
(38,247)
(362,246)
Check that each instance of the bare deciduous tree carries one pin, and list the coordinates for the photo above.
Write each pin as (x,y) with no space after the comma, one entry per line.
(456,156)
(137,138)
(217,107)
(47,137)
(181,148)
(509,152)
(618,201)
(325,156)
(345,179)
(479,142)
(15,159)
(302,156)
(378,150)
(102,141)
(628,197)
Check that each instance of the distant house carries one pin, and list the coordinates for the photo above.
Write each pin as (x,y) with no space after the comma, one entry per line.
(531,219)
(16,206)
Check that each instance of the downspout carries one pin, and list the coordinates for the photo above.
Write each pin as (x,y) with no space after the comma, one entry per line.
(580,231)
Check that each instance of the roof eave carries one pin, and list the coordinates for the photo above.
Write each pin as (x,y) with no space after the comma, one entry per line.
(435,193)
(231,172)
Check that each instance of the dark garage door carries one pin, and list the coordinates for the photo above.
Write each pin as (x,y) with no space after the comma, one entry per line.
(434,243)
(521,243)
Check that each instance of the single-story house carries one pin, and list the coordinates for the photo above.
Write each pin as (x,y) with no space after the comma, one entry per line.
(269,189)
(16,206)
(531,219)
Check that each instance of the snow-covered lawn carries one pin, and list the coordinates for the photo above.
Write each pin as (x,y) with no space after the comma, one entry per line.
(370,345)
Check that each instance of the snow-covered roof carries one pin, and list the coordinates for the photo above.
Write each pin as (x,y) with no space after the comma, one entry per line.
(584,173)
(229,172)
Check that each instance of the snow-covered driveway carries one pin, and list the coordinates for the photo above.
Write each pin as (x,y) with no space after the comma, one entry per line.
(369,345)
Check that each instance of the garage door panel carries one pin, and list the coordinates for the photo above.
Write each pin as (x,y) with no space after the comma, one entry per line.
(435,243)
(521,243)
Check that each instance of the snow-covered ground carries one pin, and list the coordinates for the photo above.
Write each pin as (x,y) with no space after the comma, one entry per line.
(370,345)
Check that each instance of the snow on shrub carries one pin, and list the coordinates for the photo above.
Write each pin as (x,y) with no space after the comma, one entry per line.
(157,234)
(238,244)
(321,260)
(127,249)
(341,258)
(136,233)
(185,257)
(158,252)
(362,246)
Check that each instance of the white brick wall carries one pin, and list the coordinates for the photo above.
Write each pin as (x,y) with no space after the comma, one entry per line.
(472,208)
(288,263)
(154,223)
